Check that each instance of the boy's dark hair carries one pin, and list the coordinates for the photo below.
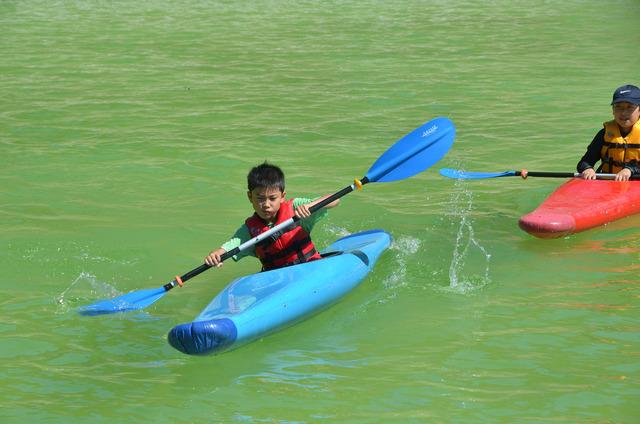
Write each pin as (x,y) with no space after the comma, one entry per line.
(265,175)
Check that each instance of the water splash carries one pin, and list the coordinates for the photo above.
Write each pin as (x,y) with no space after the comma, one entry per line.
(337,231)
(466,245)
(85,287)
(403,249)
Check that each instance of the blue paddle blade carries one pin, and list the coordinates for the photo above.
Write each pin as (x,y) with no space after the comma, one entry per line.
(415,152)
(127,302)
(463,175)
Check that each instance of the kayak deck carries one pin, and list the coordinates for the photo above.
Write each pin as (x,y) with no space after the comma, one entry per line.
(255,305)
(579,205)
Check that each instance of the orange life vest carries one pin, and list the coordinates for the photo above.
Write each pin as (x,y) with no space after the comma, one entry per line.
(288,247)
(618,151)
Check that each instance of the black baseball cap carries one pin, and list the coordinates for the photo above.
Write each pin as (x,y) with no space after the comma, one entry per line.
(627,93)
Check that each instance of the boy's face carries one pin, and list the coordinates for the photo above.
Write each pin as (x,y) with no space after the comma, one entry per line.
(266,202)
(626,114)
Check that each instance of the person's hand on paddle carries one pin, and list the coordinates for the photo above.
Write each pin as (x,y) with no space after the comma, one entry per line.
(213,259)
(588,174)
(303,211)
(623,175)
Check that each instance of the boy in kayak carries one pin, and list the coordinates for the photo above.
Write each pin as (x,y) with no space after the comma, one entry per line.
(290,246)
(617,145)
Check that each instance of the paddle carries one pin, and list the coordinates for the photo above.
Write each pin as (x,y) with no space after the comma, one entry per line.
(464,175)
(412,154)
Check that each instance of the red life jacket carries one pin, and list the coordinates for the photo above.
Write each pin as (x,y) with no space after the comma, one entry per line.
(291,247)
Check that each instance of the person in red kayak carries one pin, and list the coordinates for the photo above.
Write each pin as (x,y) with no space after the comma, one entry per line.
(617,145)
(290,246)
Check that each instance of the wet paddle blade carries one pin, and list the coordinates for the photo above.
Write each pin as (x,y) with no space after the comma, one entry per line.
(462,175)
(127,302)
(415,152)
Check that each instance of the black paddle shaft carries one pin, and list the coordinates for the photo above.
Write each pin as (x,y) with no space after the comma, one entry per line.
(324,202)
(526,174)
(546,174)
(226,255)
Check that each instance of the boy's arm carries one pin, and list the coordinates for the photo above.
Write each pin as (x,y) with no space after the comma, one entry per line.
(327,206)
(592,156)
(301,206)
(302,209)
(240,236)
(634,167)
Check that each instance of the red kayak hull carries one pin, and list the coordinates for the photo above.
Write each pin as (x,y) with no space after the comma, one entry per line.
(578,205)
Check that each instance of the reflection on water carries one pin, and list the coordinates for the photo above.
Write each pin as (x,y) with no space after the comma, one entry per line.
(305,369)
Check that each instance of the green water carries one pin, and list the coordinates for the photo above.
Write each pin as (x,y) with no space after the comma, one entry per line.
(126,132)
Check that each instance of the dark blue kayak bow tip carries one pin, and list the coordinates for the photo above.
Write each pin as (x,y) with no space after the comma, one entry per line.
(127,302)
(415,152)
(203,337)
(463,175)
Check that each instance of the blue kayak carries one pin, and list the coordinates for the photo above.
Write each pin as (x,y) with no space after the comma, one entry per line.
(261,303)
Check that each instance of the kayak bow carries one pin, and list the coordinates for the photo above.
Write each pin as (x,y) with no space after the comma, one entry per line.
(579,205)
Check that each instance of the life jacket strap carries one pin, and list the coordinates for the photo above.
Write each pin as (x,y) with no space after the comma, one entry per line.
(275,236)
(302,258)
(293,248)
(621,145)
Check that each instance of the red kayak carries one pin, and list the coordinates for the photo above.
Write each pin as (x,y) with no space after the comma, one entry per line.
(579,204)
